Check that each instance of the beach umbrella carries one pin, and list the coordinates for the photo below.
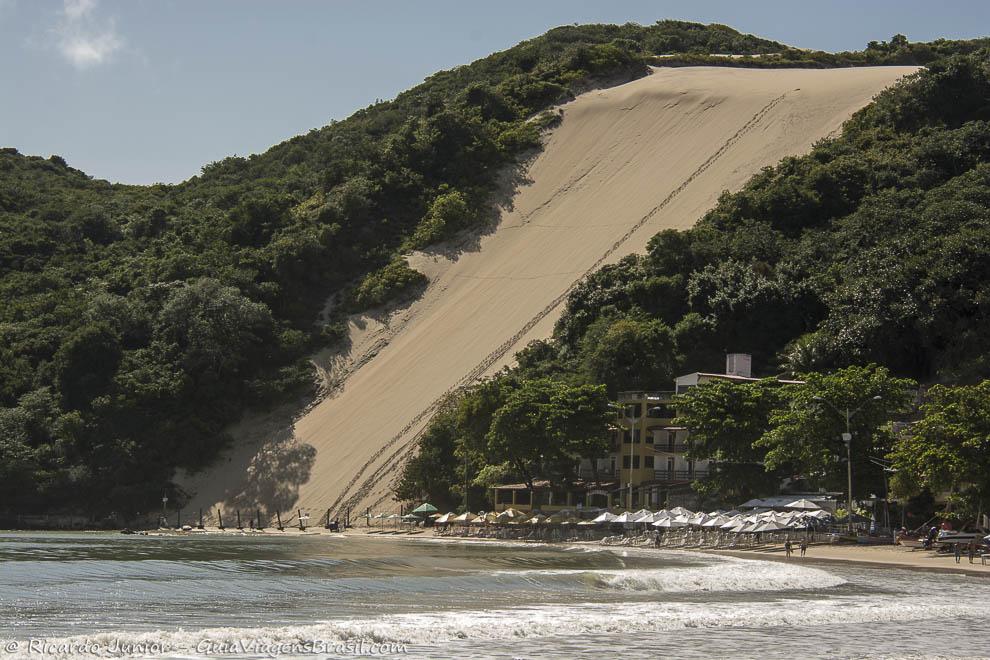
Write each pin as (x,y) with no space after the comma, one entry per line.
(464,518)
(425,507)
(698,520)
(586,523)
(681,511)
(605,518)
(511,514)
(715,521)
(642,517)
(444,519)
(669,523)
(730,523)
(803,504)
(536,520)
(411,517)
(752,504)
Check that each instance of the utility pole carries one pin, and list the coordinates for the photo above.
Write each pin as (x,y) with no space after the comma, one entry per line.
(847,439)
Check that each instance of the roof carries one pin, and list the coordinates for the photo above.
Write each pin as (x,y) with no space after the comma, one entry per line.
(542,484)
(745,378)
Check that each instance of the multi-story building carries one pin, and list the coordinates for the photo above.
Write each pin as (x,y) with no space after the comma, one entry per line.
(648,459)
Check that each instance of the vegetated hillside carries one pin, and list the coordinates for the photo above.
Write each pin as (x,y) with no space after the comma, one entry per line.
(873,248)
(139,321)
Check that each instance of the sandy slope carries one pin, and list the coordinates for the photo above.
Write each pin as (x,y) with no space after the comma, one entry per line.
(625,163)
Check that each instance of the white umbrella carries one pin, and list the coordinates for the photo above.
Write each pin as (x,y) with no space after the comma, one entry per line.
(803,504)
(716,521)
(465,517)
(511,514)
(605,518)
(669,523)
(699,520)
(624,517)
(681,511)
(642,517)
(442,520)
(752,504)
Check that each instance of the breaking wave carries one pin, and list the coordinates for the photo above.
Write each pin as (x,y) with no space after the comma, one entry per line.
(542,621)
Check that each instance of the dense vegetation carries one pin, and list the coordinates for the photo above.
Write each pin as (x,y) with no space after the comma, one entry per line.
(872,249)
(139,320)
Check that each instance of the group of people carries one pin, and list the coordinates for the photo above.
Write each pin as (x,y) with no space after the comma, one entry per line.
(789,547)
(970,551)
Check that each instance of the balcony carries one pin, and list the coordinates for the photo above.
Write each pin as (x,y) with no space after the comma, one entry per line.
(651,397)
(679,475)
(678,448)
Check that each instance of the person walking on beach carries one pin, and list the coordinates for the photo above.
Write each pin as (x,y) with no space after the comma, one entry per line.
(971,551)
(787,548)
(804,547)
(958,551)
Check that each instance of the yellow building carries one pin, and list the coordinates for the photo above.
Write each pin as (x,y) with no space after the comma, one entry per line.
(647,463)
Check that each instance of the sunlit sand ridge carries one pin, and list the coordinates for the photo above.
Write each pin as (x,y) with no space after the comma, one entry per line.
(625,163)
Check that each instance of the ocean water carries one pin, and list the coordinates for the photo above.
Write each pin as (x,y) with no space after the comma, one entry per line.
(80,595)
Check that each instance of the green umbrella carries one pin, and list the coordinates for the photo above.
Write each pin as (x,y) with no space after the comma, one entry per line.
(425,507)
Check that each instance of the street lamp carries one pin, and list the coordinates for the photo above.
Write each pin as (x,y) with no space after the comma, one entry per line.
(847,439)
(164,520)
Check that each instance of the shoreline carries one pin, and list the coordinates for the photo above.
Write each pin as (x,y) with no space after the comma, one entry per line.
(875,556)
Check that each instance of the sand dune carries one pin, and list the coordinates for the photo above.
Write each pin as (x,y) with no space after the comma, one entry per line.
(624,163)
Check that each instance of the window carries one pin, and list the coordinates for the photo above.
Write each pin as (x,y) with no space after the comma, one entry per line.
(670,464)
(625,462)
(635,462)
(649,461)
(662,412)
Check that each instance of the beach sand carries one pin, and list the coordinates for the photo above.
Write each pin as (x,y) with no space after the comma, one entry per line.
(886,555)
(624,163)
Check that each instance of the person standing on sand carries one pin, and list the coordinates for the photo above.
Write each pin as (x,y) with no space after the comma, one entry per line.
(787,548)
(804,547)
(958,551)
(971,550)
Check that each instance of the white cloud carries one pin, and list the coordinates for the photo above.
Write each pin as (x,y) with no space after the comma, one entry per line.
(82,38)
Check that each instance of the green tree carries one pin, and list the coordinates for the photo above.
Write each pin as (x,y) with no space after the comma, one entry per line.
(806,430)
(948,449)
(725,420)
(544,427)
(627,354)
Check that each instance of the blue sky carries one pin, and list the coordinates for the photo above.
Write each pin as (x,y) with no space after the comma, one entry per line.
(140,91)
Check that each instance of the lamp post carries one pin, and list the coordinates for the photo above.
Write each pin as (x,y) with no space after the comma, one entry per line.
(164,520)
(847,440)
(621,411)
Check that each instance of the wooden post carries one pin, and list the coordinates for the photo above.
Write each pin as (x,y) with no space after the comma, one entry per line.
(220,519)
(278,519)
(239,525)
(327,526)
(302,527)
(260,526)
(200,525)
